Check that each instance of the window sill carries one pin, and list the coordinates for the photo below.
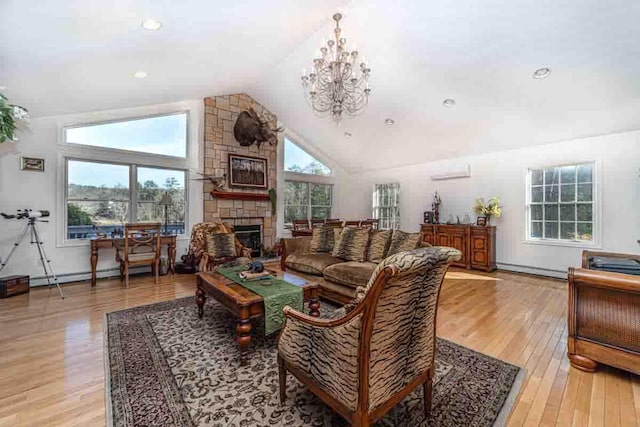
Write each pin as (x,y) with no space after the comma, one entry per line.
(563,243)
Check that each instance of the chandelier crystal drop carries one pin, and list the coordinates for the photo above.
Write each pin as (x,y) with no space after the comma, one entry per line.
(338,83)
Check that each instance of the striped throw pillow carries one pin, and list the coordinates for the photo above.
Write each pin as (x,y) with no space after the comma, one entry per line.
(352,244)
(403,242)
(221,245)
(378,245)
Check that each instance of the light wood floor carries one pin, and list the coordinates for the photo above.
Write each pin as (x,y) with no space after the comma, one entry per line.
(52,374)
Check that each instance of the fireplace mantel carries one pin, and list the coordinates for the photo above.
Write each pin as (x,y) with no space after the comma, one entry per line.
(228,195)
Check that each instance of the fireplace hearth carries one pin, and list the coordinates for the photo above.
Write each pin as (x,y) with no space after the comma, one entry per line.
(251,237)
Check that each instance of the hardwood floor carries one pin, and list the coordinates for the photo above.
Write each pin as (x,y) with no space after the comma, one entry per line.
(51,364)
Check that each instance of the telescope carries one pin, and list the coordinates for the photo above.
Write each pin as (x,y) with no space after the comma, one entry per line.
(26,213)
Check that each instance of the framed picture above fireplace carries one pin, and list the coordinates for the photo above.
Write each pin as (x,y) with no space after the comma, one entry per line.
(246,171)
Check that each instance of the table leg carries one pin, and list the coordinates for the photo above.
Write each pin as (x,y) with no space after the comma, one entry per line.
(94,264)
(314,307)
(201,298)
(243,329)
(171,253)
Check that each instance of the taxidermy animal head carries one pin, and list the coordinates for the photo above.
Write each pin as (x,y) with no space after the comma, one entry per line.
(251,128)
(217,181)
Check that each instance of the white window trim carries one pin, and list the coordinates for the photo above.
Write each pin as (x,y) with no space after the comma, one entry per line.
(374,214)
(81,152)
(596,243)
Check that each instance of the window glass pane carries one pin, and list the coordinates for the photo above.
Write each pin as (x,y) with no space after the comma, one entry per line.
(84,219)
(585,192)
(298,160)
(568,174)
(551,176)
(166,135)
(536,194)
(321,213)
(296,193)
(536,229)
(585,231)
(551,212)
(551,229)
(536,177)
(536,212)
(585,212)
(567,230)
(97,181)
(568,193)
(585,173)
(568,212)
(294,212)
(320,195)
(157,188)
(551,193)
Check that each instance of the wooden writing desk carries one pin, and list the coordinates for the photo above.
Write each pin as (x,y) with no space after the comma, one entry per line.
(96,244)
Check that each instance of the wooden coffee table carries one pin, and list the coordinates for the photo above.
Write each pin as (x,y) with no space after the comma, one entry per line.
(246,305)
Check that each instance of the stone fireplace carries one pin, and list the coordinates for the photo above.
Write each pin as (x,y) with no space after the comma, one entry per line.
(242,207)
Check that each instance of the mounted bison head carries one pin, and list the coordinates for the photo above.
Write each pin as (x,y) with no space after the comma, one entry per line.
(250,128)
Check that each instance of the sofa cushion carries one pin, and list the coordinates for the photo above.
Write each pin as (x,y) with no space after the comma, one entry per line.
(352,244)
(221,245)
(352,274)
(378,245)
(311,263)
(403,242)
(321,240)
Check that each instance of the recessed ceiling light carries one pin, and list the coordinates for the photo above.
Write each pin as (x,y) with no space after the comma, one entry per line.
(449,102)
(151,24)
(542,73)
(389,122)
(140,74)
(347,135)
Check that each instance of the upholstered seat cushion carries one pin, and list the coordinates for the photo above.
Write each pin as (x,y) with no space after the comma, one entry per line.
(311,263)
(350,274)
(144,256)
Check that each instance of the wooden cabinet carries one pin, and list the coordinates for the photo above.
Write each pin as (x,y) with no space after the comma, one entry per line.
(476,243)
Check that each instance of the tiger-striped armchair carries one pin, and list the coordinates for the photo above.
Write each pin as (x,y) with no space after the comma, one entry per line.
(377,349)
(198,246)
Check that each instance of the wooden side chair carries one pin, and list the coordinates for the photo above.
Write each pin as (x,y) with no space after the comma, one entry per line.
(333,223)
(384,339)
(141,247)
(375,223)
(352,223)
(317,222)
(301,228)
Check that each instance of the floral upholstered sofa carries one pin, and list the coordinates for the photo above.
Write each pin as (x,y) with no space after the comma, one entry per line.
(205,256)
(344,257)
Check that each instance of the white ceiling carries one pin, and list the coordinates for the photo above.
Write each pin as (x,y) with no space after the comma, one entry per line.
(74,56)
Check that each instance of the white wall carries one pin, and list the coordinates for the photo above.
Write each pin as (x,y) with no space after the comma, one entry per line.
(37,190)
(502,174)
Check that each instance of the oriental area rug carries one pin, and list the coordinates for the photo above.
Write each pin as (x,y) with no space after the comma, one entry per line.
(166,367)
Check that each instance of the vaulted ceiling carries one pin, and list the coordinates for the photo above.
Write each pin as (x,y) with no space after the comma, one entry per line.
(79,56)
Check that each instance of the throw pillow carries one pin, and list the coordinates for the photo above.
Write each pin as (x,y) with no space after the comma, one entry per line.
(321,239)
(221,245)
(352,244)
(403,242)
(378,245)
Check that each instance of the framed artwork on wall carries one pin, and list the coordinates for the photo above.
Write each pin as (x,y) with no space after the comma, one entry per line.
(32,164)
(246,171)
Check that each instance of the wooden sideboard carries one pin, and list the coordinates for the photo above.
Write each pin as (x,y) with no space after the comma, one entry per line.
(477,243)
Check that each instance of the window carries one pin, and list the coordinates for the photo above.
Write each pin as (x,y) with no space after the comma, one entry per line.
(298,160)
(562,203)
(305,200)
(163,135)
(386,205)
(100,197)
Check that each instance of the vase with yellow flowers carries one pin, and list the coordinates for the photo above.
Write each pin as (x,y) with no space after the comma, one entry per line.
(489,208)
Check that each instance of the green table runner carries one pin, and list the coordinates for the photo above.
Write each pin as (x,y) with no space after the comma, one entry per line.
(276,296)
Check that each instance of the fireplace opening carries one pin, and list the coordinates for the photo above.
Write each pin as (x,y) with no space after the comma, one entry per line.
(250,237)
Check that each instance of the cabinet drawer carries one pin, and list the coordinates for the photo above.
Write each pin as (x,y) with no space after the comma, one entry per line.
(479,242)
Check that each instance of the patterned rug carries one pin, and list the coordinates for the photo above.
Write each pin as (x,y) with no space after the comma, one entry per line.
(166,367)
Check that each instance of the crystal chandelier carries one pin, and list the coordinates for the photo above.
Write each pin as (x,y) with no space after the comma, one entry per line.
(337,84)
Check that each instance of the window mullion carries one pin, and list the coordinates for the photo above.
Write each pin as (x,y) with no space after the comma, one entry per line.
(133,193)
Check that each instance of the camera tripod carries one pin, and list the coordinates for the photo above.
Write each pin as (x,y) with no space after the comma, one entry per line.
(44,259)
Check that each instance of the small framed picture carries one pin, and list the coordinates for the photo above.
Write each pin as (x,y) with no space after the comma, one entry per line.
(246,171)
(32,164)
(481,221)
(428,217)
